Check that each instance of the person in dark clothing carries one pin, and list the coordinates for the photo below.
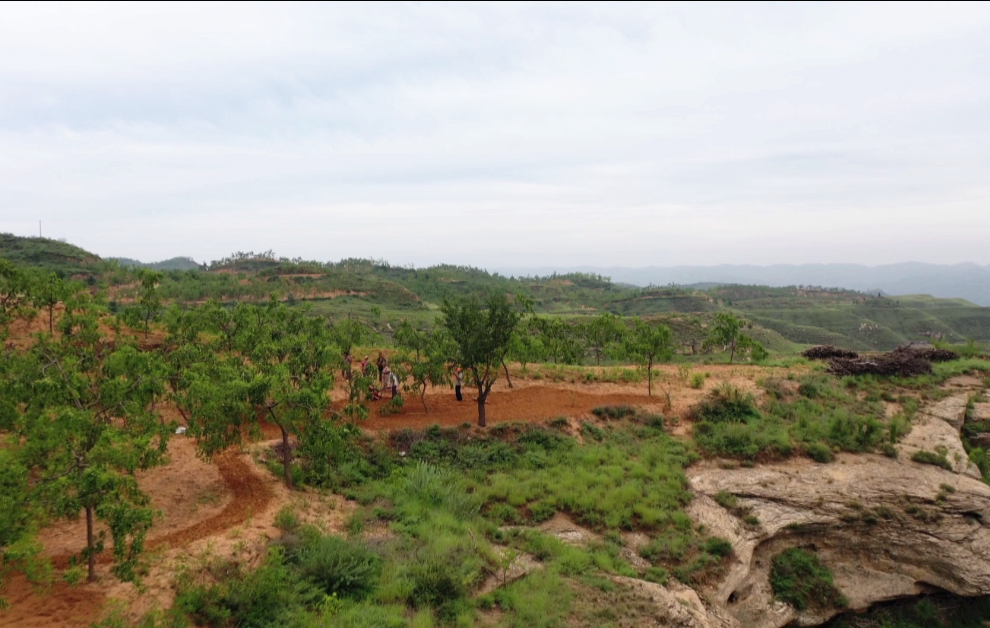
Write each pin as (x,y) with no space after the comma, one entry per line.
(381,363)
(459,375)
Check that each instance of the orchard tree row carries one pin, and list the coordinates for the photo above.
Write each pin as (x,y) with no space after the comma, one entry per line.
(79,399)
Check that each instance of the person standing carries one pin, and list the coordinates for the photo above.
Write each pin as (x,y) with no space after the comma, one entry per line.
(382,365)
(393,380)
(459,375)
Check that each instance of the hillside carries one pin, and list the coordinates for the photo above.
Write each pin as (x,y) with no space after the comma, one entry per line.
(52,255)
(968,281)
(783,318)
(174,263)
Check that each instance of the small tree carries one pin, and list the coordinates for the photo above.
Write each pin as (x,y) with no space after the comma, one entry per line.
(480,335)
(150,301)
(603,331)
(48,293)
(558,339)
(726,332)
(426,358)
(647,345)
(86,427)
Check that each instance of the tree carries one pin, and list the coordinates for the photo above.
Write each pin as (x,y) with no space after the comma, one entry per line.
(648,345)
(426,358)
(85,427)
(16,291)
(604,330)
(150,301)
(48,293)
(525,347)
(725,332)
(558,339)
(480,334)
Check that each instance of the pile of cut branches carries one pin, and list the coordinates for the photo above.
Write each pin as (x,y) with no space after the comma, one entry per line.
(929,353)
(827,352)
(895,363)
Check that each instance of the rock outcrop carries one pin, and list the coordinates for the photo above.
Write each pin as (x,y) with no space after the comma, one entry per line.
(887,528)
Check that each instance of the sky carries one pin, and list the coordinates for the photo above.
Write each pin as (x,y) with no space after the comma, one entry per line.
(501,135)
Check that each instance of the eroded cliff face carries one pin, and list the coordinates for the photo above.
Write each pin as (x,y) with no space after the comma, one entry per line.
(887,528)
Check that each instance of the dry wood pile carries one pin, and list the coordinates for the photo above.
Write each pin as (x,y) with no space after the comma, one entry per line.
(827,352)
(896,363)
(929,353)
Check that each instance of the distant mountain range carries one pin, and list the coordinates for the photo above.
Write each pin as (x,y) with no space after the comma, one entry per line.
(961,281)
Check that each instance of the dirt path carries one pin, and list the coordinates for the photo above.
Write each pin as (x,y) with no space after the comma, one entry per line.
(249,494)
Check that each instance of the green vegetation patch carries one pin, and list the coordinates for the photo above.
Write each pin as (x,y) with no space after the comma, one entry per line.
(801,580)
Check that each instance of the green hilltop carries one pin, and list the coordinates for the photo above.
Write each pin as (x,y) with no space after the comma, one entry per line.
(784,319)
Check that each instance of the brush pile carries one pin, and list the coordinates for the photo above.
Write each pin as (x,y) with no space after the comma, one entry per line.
(827,352)
(895,363)
(929,353)
(901,362)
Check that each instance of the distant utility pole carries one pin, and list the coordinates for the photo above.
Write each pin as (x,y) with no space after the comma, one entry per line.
(39,228)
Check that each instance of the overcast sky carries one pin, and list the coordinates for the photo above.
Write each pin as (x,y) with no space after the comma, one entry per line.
(501,135)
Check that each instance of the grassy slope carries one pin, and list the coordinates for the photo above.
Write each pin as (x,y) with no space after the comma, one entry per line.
(784,319)
(51,255)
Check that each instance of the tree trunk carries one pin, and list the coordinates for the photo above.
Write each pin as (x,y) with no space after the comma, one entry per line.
(91,558)
(422,397)
(732,353)
(51,319)
(482,396)
(286,457)
(506,367)
(649,376)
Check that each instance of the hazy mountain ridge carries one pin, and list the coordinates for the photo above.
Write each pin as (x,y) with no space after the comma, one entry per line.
(967,281)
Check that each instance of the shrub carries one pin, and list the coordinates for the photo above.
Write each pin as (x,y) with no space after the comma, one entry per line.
(979,457)
(613,412)
(819,452)
(656,574)
(726,500)
(697,381)
(727,404)
(718,547)
(338,566)
(286,520)
(808,390)
(435,584)
(801,580)
(930,457)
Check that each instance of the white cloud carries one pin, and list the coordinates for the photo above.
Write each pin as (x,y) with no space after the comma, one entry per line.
(501,135)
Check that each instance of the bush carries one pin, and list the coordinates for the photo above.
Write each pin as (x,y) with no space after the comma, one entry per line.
(614,412)
(801,580)
(930,457)
(338,566)
(436,584)
(819,452)
(726,500)
(727,404)
(718,547)
(697,381)
(808,390)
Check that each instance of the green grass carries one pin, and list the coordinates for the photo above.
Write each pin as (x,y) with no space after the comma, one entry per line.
(801,580)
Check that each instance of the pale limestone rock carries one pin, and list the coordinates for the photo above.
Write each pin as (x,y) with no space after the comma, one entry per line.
(887,528)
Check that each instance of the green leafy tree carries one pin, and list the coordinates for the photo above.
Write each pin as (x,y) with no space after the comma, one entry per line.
(424,358)
(525,347)
(150,300)
(558,338)
(648,345)
(280,370)
(756,351)
(602,332)
(480,333)
(17,286)
(48,293)
(725,332)
(85,425)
